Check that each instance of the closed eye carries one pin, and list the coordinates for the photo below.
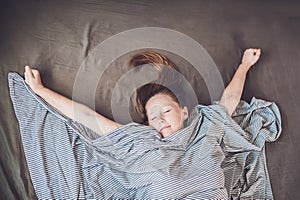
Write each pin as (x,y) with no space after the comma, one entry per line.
(167,111)
(153,118)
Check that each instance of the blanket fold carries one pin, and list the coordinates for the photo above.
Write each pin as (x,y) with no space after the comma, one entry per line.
(215,156)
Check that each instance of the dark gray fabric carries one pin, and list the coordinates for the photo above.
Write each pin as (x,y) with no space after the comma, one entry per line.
(56,36)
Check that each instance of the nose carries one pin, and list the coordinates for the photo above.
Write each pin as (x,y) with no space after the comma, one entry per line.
(161,118)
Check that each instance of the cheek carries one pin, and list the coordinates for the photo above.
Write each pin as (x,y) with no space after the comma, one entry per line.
(177,121)
(153,125)
(174,120)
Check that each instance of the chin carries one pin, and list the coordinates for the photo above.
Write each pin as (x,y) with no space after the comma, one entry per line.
(166,134)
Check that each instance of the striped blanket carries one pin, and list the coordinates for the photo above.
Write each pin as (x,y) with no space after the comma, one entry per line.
(213,157)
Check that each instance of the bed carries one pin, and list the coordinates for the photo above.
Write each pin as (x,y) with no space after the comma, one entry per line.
(61,38)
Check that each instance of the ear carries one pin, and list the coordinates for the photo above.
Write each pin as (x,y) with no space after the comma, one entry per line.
(185,112)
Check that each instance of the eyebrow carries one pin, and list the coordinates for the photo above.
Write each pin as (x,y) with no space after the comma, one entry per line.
(152,113)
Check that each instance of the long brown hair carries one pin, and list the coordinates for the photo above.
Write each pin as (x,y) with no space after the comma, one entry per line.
(166,68)
(155,59)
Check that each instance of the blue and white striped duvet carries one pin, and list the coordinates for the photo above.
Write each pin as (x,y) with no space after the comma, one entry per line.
(214,157)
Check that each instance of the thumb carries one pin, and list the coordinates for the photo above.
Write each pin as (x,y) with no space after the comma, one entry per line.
(28,72)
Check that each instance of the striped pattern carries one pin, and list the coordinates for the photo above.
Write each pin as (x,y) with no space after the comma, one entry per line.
(214,157)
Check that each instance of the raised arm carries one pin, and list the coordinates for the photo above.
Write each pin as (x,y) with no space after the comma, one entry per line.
(83,114)
(233,92)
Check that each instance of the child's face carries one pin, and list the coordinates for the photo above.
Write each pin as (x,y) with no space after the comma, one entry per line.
(165,115)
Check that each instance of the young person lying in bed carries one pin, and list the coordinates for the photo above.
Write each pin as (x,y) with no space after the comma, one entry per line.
(159,108)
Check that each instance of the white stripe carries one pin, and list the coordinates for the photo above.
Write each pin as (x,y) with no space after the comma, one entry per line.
(214,157)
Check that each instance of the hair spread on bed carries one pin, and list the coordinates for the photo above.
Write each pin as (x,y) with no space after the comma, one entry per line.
(150,57)
(167,79)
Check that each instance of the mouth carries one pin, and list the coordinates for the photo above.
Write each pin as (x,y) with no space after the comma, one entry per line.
(165,127)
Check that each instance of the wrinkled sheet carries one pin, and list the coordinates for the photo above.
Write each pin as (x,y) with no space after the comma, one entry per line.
(215,156)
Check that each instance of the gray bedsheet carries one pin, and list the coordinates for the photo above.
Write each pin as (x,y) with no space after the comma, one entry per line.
(57,36)
(213,157)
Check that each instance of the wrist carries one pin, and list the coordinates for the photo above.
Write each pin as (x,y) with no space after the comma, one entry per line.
(244,67)
(39,90)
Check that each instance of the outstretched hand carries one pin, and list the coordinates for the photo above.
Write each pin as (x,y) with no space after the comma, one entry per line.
(33,79)
(250,57)
(233,92)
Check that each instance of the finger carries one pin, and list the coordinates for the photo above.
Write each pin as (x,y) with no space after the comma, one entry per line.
(35,73)
(258,52)
(251,51)
(28,72)
(27,68)
(26,78)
